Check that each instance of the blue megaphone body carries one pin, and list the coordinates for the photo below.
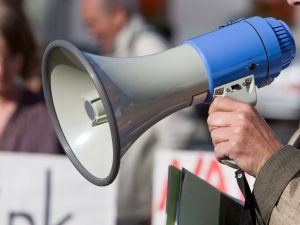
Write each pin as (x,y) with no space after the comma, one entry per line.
(258,46)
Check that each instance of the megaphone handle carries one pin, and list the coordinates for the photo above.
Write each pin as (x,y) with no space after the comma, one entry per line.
(243,90)
(229,162)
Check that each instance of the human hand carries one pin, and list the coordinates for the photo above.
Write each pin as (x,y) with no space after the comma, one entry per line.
(238,132)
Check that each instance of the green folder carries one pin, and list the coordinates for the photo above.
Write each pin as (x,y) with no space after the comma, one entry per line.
(192,201)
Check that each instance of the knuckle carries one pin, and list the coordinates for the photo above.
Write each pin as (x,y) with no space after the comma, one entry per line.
(237,131)
(212,106)
(209,120)
(244,119)
(218,152)
(235,144)
(248,111)
(213,135)
(240,131)
(242,116)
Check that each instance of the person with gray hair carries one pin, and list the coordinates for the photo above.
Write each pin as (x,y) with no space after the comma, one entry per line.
(130,6)
(119,28)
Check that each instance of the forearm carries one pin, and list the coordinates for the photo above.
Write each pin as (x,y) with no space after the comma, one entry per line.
(272,180)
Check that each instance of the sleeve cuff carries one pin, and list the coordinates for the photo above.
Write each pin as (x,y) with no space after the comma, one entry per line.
(272,180)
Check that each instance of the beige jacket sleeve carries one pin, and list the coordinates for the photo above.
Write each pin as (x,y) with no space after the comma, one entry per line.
(287,209)
(277,189)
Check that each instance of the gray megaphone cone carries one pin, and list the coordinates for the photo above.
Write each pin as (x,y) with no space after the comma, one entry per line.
(101,105)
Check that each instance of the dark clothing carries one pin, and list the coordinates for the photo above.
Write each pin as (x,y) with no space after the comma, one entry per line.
(277,187)
(30,129)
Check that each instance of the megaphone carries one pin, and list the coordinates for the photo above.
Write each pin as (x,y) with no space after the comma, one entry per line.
(101,105)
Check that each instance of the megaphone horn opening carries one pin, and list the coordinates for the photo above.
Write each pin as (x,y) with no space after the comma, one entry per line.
(91,145)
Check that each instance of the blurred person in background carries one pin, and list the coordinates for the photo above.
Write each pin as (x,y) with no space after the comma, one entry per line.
(33,83)
(238,132)
(24,122)
(120,31)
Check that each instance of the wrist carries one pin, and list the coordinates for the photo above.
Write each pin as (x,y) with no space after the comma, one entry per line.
(270,153)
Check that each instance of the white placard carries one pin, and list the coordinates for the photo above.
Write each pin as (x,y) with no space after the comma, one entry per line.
(201,163)
(40,189)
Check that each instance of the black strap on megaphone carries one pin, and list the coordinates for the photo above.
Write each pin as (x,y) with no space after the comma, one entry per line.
(248,216)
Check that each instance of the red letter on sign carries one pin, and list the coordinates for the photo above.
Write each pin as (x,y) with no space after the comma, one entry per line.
(215,169)
(198,166)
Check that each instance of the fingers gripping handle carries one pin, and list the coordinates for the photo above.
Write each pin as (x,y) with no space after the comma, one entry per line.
(243,90)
